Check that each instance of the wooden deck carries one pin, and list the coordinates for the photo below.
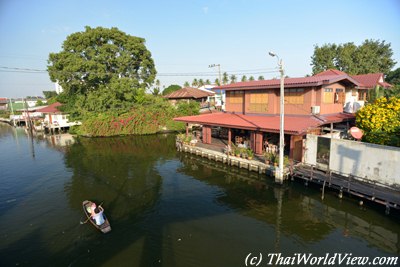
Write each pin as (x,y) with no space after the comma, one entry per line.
(362,188)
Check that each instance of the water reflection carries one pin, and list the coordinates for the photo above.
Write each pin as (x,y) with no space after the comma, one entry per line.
(295,210)
(117,171)
(166,208)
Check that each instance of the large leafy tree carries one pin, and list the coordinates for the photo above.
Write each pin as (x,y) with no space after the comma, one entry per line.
(380,121)
(102,68)
(393,77)
(371,56)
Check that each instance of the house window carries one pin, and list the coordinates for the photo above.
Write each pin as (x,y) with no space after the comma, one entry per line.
(339,96)
(362,95)
(294,96)
(328,95)
(258,102)
(235,97)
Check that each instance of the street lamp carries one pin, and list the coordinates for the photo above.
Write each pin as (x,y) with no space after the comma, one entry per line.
(279,177)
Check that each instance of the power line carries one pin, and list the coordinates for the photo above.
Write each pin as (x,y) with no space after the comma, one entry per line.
(172,74)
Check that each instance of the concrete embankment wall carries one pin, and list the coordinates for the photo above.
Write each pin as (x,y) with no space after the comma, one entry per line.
(363,160)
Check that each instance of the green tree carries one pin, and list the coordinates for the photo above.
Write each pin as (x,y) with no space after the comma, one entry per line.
(186,84)
(393,77)
(393,91)
(233,78)
(156,90)
(39,103)
(261,78)
(251,78)
(217,82)
(380,121)
(195,83)
(49,94)
(324,57)
(201,82)
(371,56)
(171,88)
(244,78)
(102,68)
(225,78)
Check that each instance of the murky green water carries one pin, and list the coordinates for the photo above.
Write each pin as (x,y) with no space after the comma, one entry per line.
(166,208)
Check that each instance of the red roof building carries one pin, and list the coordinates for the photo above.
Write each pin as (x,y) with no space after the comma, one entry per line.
(53,108)
(312,104)
(189,94)
(372,80)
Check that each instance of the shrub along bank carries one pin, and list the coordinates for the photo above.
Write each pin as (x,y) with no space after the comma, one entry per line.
(140,119)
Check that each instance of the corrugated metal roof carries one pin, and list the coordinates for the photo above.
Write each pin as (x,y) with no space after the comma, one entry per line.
(50,108)
(289,82)
(188,92)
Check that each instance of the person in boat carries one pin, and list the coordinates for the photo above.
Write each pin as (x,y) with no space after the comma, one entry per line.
(97,214)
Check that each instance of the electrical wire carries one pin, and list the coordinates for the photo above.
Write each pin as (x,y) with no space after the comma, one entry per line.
(171,74)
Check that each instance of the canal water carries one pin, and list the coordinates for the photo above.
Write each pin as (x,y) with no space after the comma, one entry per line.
(166,208)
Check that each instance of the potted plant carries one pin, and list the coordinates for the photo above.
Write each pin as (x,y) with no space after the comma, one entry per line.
(250,154)
(266,157)
(243,152)
(274,159)
(188,139)
(181,137)
(237,152)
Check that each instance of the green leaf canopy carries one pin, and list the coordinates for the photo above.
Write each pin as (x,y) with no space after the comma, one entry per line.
(372,56)
(102,64)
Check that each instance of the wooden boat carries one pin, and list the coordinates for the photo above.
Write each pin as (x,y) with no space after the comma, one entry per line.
(105,227)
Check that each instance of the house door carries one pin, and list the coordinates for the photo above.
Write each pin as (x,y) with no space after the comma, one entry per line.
(256,141)
(206,134)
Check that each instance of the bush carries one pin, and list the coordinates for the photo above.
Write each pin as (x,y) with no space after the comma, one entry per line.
(152,116)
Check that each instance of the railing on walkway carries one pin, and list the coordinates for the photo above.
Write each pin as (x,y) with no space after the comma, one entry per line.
(363,188)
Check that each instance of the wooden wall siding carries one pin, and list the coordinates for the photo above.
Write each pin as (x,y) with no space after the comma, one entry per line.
(296,103)
(256,101)
(235,101)
(327,99)
(293,106)
(296,147)
(256,142)
(206,134)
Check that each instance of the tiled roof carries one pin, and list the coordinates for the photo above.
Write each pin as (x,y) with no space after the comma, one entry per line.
(268,123)
(331,72)
(371,80)
(50,108)
(188,92)
(366,81)
(290,82)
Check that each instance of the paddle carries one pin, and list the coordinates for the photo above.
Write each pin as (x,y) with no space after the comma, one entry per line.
(90,216)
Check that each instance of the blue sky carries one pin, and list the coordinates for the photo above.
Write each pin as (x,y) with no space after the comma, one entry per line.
(187,36)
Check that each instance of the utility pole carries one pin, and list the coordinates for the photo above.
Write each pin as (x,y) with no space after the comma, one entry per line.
(279,176)
(219,71)
(12,111)
(220,80)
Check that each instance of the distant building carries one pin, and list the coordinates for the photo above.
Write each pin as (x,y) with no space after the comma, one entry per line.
(190,94)
(3,103)
(59,88)
(55,119)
